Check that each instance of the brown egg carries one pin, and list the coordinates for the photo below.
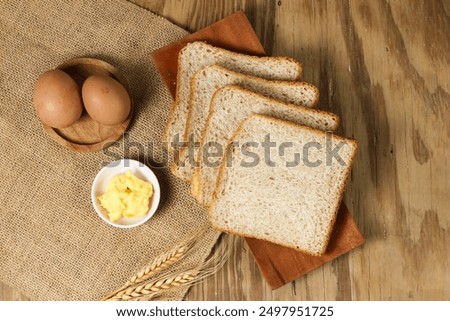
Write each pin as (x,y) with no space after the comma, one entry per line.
(57,99)
(106,100)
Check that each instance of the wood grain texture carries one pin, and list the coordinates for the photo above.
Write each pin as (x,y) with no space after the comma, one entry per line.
(383,66)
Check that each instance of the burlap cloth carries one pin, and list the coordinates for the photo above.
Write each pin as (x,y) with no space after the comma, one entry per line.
(53,246)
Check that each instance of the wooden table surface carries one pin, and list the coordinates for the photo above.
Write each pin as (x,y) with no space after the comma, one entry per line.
(384,67)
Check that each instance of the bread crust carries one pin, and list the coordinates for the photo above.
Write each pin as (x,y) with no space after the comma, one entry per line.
(175,105)
(197,191)
(193,90)
(340,195)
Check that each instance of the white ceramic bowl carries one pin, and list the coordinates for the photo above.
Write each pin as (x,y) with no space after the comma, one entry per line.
(120,167)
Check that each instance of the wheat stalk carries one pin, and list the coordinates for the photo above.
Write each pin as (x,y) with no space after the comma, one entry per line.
(154,288)
(160,263)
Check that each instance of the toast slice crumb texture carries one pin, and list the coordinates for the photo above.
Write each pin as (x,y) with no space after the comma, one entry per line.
(211,78)
(197,55)
(292,206)
(229,107)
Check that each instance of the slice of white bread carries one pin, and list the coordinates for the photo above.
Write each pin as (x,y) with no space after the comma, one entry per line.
(197,55)
(229,107)
(203,86)
(292,206)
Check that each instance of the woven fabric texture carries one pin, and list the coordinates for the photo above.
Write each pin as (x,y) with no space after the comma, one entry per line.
(53,246)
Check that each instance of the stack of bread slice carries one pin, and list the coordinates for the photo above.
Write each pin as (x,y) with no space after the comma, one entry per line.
(255,150)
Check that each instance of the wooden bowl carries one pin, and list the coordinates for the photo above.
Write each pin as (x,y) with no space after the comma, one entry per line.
(87,135)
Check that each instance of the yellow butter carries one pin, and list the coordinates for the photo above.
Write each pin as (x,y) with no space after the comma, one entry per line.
(126,196)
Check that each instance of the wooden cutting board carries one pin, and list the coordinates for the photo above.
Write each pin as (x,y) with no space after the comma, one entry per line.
(278,264)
